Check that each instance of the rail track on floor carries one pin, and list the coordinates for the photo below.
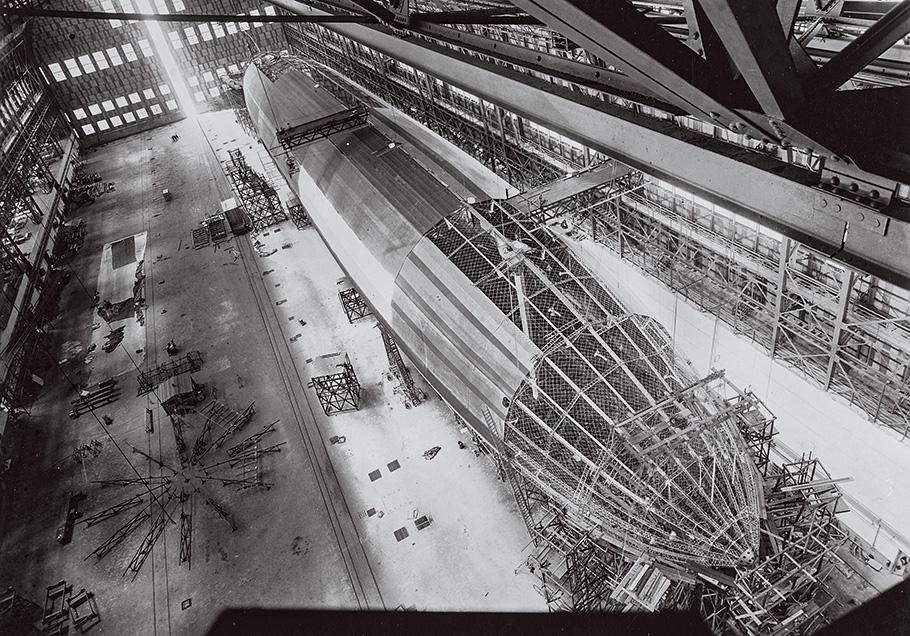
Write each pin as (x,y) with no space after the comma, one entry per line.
(359,571)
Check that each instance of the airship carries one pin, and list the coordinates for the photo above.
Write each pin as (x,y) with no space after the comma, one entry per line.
(582,398)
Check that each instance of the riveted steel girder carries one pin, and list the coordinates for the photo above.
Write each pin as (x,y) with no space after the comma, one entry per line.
(783,197)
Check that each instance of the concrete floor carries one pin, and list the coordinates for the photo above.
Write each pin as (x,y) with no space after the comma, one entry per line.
(307,542)
(467,559)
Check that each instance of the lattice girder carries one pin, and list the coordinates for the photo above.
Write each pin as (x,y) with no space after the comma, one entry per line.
(609,423)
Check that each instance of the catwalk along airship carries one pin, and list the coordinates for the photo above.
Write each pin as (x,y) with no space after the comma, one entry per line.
(582,397)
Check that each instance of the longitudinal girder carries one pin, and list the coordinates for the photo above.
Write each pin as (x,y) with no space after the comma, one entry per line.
(609,423)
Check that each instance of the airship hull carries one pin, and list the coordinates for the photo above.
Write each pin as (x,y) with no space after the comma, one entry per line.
(587,401)
(373,205)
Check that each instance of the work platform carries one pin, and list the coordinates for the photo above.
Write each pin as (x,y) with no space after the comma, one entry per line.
(336,383)
(304,133)
(307,110)
(576,193)
(355,307)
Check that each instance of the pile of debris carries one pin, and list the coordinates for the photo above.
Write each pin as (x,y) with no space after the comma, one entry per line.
(86,186)
(114,338)
(70,239)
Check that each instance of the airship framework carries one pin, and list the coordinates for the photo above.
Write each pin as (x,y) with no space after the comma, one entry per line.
(643,485)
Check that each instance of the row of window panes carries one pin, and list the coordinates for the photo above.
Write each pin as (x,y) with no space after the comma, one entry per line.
(85,64)
(216,30)
(121,102)
(207,76)
(126,118)
(127,7)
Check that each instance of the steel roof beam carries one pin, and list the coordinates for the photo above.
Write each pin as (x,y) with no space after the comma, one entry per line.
(620,34)
(598,78)
(864,50)
(504,15)
(787,11)
(182,17)
(753,36)
(783,197)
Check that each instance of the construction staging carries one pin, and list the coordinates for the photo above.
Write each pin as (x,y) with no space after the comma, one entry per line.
(531,307)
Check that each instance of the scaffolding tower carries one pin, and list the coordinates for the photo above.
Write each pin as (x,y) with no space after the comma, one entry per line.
(259,198)
(399,372)
(299,216)
(335,383)
(232,89)
(355,307)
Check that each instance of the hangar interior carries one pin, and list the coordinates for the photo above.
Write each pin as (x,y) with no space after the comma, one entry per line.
(446,305)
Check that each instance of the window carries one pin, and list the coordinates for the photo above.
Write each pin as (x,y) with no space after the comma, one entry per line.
(208,77)
(164,89)
(192,80)
(156,109)
(86,63)
(102,124)
(108,6)
(79,113)
(127,7)
(114,54)
(270,10)
(72,67)
(116,121)
(148,93)
(129,117)
(191,36)
(121,102)
(199,95)
(221,72)
(142,113)
(134,98)
(171,104)
(88,129)
(100,60)
(129,52)
(214,92)
(244,26)
(218,29)
(107,105)
(178,5)
(57,72)
(233,69)
(161,5)
(231,28)
(94,109)
(204,30)
(146,48)
(175,39)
